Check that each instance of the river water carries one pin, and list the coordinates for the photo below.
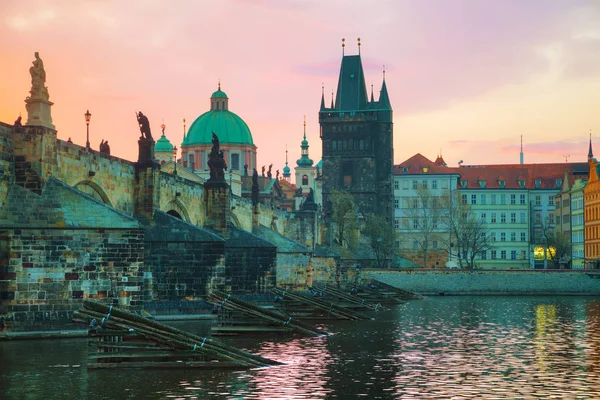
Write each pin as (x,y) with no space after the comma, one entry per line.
(437,348)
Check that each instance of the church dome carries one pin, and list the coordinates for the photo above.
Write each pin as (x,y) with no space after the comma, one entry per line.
(163,145)
(228,126)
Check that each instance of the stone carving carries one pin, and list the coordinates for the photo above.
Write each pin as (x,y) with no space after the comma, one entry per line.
(104,147)
(18,122)
(277,174)
(263,170)
(245,169)
(269,174)
(310,198)
(298,192)
(144,126)
(38,79)
(216,161)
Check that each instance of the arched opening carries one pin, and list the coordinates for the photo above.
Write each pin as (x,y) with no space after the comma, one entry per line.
(304,180)
(175,214)
(234,220)
(94,190)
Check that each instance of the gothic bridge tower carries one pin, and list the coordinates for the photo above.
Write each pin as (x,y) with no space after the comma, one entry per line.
(357,137)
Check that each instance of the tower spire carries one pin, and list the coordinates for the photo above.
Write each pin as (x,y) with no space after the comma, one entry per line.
(343,45)
(521,155)
(372,98)
(219,83)
(184,129)
(590,152)
(359,46)
(304,126)
(322,96)
(332,105)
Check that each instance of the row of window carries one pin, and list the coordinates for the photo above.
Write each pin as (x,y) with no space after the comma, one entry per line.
(502,255)
(501,199)
(424,184)
(513,236)
(348,145)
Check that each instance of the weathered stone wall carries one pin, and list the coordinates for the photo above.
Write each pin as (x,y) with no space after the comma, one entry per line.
(50,271)
(292,269)
(250,269)
(107,178)
(324,270)
(508,282)
(6,160)
(182,196)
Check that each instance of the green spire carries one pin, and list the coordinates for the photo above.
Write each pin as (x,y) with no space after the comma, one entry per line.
(322,97)
(286,169)
(384,99)
(304,160)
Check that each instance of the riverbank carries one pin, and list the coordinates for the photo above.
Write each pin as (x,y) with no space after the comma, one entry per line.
(490,282)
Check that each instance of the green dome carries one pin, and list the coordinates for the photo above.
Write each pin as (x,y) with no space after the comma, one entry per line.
(286,171)
(226,125)
(163,145)
(219,94)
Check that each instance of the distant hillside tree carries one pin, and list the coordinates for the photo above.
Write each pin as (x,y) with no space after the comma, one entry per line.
(345,217)
(381,237)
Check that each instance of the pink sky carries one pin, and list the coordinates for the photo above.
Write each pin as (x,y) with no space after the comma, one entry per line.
(467,77)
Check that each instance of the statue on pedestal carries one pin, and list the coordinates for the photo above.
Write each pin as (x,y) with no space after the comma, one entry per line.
(255,187)
(269,174)
(216,162)
(144,126)
(38,79)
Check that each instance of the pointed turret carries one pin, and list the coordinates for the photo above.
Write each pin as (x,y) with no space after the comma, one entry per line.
(372,97)
(351,91)
(332,105)
(590,152)
(384,99)
(304,160)
(322,98)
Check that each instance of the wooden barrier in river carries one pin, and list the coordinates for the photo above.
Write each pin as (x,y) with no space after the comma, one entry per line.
(352,301)
(124,339)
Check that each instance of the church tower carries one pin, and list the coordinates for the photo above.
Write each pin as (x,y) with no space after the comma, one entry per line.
(305,172)
(357,138)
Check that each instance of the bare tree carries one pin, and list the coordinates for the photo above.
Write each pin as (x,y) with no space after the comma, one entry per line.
(424,216)
(381,237)
(557,245)
(468,236)
(345,216)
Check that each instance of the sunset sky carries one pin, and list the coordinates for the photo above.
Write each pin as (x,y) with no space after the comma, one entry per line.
(465,77)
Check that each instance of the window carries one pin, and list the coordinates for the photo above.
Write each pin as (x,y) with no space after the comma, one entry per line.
(558,183)
(522,217)
(493,237)
(415,185)
(502,218)
(538,200)
(523,237)
(434,185)
(557,219)
(493,199)
(502,199)
(483,255)
(481,183)
(551,218)
(493,254)
(434,202)
(424,184)
(551,200)
(347,173)
(463,183)
(503,254)
(483,217)
(235,161)
(513,236)
(396,203)
(558,204)
(503,236)
(305,181)
(493,218)
(463,198)
(473,199)
(538,218)
(191,161)
(501,184)
(522,199)
(415,202)
(513,254)
(538,183)
(425,170)
(415,223)
(522,254)
(513,218)
(513,199)
(396,184)
(435,244)
(521,184)
(483,198)
(397,223)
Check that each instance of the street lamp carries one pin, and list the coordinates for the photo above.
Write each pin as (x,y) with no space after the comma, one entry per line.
(175,154)
(88,116)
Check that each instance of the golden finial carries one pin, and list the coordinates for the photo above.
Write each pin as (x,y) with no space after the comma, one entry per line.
(359,46)
(184,129)
(384,72)
(343,45)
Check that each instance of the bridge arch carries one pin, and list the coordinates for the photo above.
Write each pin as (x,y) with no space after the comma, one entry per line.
(93,189)
(177,210)
(235,220)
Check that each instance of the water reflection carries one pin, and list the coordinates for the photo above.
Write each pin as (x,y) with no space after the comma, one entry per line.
(448,347)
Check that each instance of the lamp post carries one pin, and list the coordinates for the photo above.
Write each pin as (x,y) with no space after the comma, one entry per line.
(175,154)
(88,116)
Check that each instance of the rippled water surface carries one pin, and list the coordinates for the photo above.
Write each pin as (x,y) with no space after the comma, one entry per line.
(445,347)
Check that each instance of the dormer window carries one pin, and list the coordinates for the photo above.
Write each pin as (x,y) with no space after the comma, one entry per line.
(538,183)
(404,170)
(559,183)
(521,183)
(463,183)
(481,183)
(502,183)
(425,170)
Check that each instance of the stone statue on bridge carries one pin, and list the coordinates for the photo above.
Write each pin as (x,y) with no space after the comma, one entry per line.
(255,187)
(216,161)
(144,126)
(38,79)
